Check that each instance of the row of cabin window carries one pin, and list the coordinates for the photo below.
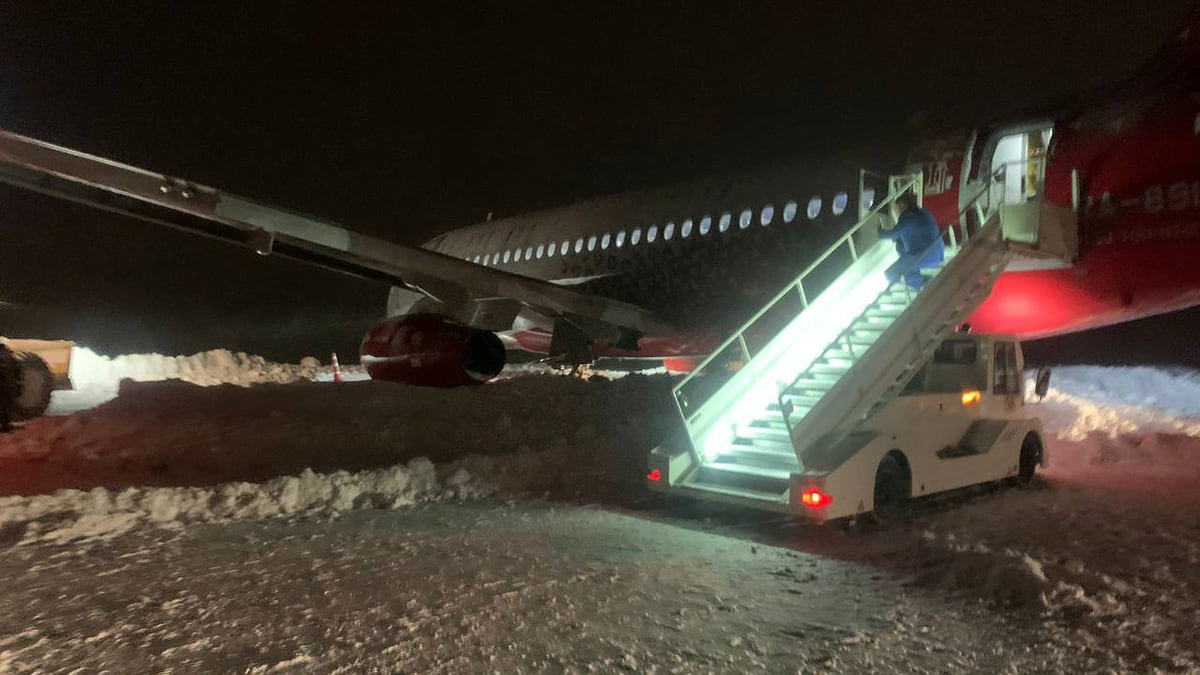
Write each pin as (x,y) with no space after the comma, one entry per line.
(745,218)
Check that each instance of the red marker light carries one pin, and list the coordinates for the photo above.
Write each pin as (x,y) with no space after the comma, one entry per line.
(654,475)
(815,498)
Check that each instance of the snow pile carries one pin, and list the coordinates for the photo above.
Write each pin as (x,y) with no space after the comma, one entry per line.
(1142,420)
(1119,401)
(74,515)
(89,370)
(165,452)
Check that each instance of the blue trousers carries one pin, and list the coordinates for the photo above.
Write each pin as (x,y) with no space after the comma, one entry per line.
(909,262)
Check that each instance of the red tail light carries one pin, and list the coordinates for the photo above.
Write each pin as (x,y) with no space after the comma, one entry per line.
(654,475)
(815,498)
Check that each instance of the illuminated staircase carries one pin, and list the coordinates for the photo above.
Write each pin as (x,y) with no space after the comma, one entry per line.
(835,361)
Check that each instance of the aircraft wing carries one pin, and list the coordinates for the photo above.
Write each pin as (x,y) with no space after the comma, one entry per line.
(472,293)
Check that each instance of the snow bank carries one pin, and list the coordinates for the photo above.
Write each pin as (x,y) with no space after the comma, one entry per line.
(1131,419)
(1117,401)
(76,515)
(89,370)
(172,452)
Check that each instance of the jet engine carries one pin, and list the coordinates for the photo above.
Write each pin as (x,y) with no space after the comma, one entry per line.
(428,350)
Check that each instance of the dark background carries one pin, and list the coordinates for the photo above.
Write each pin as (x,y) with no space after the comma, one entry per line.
(405,122)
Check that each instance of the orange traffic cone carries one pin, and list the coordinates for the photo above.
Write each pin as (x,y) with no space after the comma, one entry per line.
(337,370)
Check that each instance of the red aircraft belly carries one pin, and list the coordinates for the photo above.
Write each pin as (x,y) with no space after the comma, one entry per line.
(1110,285)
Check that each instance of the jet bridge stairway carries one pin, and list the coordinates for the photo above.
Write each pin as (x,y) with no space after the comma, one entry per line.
(844,354)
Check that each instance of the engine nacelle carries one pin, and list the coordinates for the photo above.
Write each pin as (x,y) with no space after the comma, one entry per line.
(429,351)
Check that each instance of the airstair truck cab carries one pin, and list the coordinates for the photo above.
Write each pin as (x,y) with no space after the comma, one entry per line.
(961,420)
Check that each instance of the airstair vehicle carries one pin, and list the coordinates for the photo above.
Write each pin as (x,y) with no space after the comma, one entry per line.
(867,394)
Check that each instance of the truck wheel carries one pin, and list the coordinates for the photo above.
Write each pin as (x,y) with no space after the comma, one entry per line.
(1031,456)
(35,383)
(893,486)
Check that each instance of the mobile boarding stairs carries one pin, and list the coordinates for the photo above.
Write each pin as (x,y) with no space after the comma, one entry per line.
(832,363)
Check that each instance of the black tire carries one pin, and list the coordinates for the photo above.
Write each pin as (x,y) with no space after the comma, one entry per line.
(35,384)
(893,487)
(1031,457)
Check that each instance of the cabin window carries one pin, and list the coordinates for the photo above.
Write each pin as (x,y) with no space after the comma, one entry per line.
(789,211)
(767,215)
(529,253)
(592,243)
(620,239)
(605,241)
(517,255)
(651,234)
(507,256)
(745,218)
(685,230)
(726,219)
(476,260)
(635,237)
(579,245)
(541,251)
(814,207)
(566,247)
(840,200)
(705,225)
(668,231)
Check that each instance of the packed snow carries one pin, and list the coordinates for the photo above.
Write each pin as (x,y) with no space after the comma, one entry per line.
(1096,568)
(90,370)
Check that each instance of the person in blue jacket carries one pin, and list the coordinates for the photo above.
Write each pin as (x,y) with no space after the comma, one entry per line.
(918,241)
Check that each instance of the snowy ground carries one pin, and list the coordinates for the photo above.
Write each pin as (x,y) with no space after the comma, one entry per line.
(196,540)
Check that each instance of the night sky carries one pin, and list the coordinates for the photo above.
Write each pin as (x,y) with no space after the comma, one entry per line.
(405,123)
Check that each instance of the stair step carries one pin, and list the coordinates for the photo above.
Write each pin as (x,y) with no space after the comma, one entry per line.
(767,422)
(798,411)
(781,445)
(823,375)
(803,385)
(829,369)
(769,467)
(862,328)
(802,400)
(781,458)
(778,434)
(748,470)
(878,318)
(762,495)
(829,359)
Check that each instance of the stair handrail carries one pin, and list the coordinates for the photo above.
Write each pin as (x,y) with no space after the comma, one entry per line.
(738,336)
(785,407)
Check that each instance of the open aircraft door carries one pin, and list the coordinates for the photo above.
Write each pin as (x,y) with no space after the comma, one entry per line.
(1046,232)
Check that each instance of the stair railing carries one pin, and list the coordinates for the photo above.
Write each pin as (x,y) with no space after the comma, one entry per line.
(983,214)
(690,406)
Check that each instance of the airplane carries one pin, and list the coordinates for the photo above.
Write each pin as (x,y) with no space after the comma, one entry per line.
(1105,189)
(1100,197)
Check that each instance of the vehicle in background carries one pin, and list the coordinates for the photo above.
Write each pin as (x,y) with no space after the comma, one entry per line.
(40,367)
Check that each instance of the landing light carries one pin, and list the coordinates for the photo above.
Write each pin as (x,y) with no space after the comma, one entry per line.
(815,498)
(972,396)
(654,475)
